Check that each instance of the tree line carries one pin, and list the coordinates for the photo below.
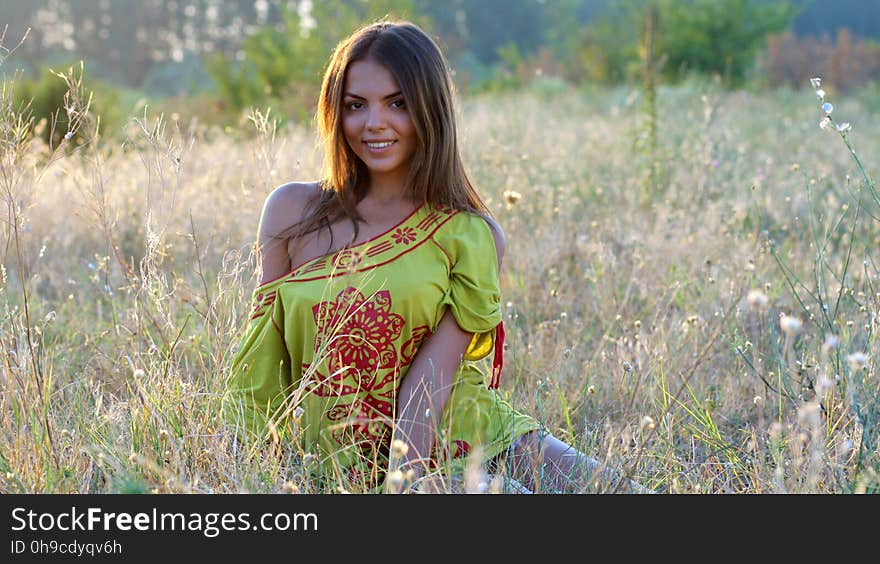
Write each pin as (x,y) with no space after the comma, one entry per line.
(272,52)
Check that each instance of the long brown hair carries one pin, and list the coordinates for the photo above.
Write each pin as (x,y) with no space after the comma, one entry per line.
(437,175)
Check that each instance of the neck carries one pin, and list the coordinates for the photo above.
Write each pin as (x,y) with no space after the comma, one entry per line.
(388,188)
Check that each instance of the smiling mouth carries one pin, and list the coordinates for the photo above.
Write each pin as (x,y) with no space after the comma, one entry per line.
(380,144)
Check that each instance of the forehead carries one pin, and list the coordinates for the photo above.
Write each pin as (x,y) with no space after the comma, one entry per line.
(370,78)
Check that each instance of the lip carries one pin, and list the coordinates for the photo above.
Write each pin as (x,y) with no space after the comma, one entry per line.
(379,150)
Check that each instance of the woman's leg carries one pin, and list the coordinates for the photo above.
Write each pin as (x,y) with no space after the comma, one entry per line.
(544,463)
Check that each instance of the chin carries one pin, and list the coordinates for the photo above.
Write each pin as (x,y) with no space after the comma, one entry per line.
(382,167)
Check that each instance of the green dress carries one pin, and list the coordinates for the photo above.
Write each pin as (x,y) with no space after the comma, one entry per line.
(329,343)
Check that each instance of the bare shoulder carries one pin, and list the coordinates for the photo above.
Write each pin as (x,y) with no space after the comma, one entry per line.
(285,205)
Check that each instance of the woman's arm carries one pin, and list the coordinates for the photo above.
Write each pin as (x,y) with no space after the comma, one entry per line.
(428,383)
(426,389)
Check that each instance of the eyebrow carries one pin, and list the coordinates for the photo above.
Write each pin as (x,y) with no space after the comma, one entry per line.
(392,95)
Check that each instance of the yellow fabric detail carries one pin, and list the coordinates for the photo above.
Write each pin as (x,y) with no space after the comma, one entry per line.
(481,346)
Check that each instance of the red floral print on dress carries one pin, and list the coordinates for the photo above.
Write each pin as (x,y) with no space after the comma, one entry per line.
(360,333)
(404,235)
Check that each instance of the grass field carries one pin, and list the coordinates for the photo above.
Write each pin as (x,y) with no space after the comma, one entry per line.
(701,314)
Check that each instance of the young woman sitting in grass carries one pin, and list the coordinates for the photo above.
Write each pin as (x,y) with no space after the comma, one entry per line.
(380,294)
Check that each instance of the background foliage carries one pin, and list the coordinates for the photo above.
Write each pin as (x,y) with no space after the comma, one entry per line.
(216,59)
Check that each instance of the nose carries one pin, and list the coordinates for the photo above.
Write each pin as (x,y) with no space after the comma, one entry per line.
(375,119)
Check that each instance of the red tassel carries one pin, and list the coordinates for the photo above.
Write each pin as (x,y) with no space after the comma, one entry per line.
(498,360)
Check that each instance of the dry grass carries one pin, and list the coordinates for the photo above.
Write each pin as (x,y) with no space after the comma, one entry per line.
(629,333)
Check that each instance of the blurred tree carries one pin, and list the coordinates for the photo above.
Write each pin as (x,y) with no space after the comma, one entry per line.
(608,46)
(497,43)
(123,40)
(483,28)
(705,36)
(718,36)
(282,64)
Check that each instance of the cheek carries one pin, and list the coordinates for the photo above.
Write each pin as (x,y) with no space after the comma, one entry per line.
(352,139)
(350,127)
(407,127)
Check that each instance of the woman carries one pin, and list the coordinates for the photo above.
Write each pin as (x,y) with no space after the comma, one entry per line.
(380,288)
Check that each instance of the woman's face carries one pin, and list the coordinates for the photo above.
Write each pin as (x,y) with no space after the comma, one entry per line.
(376,121)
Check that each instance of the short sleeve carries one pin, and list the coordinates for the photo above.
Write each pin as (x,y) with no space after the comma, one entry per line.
(260,378)
(474,294)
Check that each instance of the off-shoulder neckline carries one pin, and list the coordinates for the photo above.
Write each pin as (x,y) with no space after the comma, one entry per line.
(336,252)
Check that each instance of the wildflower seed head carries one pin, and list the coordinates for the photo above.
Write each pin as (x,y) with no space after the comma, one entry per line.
(139,374)
(816,82)
(827,107)
(790,324)
(757,300)
(511,197)
(395,481)
(820,94)
(857,361)
(399,448)
(825,123)
(648,423)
